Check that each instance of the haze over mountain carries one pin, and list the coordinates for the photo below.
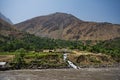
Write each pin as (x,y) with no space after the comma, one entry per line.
(68,27)
(5,18)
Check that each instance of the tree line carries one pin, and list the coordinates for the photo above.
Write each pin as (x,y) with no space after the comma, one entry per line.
(32,43)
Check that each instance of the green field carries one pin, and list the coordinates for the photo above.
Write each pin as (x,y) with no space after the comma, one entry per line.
(33,60)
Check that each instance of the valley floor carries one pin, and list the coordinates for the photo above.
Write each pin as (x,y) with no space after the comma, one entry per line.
(62,74)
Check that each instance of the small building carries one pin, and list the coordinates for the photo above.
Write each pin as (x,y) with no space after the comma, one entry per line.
(3,65)
(48,51)
(63,50)
(45,50)
(51,51)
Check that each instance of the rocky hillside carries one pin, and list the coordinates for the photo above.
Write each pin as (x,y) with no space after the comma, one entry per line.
(5,18)
(68,27)
(88,59)
(7,30)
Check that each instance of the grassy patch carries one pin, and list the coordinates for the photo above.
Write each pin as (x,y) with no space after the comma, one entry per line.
(23,59)
(7,53)
(91,59)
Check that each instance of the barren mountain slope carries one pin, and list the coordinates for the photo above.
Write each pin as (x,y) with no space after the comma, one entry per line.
(68,27)
(7,30)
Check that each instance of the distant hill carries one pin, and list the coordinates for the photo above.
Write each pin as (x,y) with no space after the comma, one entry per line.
(7,30)
(5,18)
(68,27)
(12,39)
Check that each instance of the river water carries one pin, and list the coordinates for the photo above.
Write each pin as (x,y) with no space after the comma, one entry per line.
(62,74)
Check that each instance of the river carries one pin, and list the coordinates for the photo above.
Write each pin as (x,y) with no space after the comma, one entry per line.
(62,74)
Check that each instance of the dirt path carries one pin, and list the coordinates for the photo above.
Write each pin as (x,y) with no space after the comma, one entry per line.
(62,74)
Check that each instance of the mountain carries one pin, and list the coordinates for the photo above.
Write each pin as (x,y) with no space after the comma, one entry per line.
(12,40)
(68,27)
(7,30)
(5,18)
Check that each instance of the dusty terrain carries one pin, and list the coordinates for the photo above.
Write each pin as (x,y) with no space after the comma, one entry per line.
(62,74)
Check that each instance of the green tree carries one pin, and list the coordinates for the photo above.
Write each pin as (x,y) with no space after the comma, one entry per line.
(19,61)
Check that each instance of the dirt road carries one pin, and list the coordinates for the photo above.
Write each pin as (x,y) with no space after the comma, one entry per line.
(62,74)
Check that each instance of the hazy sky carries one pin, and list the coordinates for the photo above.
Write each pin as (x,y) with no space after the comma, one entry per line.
(88,10)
